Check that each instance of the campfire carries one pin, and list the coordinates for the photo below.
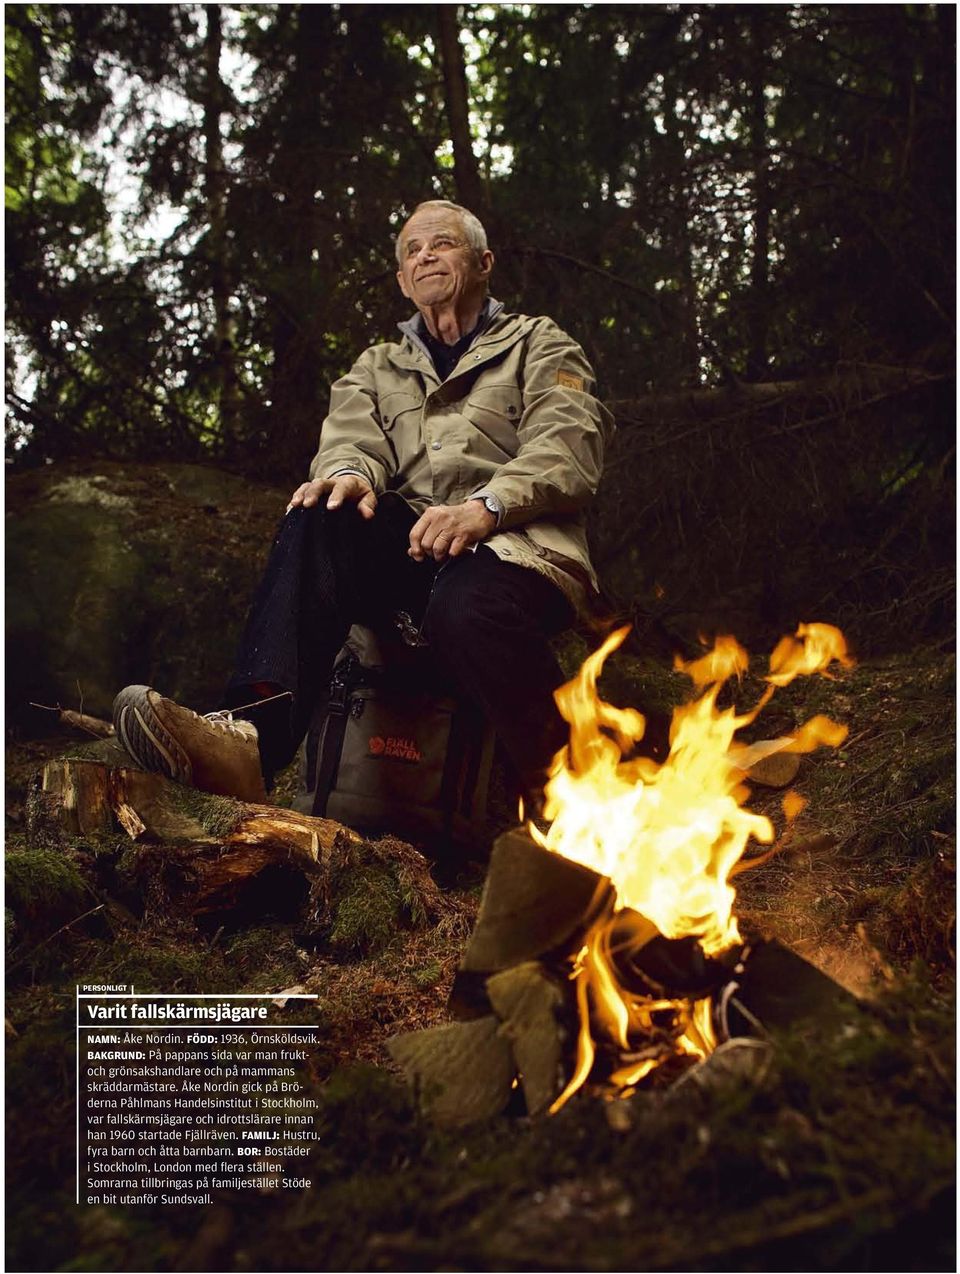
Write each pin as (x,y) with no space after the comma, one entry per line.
(618,919)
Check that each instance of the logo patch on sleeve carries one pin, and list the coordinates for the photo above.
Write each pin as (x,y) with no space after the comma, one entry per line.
(569,381)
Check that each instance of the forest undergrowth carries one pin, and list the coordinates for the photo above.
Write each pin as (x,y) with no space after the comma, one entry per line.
(840,1156)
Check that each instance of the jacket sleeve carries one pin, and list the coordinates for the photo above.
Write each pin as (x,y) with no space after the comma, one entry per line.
(562,433)
(351,437)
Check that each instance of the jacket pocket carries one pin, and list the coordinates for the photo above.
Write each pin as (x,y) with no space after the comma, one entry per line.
(496,410)
(400,408)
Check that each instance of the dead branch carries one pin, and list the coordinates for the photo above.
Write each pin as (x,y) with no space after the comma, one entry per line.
(96,726)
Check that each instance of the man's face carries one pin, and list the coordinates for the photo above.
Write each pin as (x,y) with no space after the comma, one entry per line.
(438,266)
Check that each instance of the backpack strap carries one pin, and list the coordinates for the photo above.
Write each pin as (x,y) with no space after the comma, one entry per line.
(331,740)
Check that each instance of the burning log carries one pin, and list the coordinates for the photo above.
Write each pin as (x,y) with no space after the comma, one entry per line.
(530,1004)
(701,1014)
(627,896)
(532,904)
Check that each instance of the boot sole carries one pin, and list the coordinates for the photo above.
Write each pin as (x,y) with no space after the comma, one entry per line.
(146,738)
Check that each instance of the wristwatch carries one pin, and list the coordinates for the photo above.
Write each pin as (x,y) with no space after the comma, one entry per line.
(492,503)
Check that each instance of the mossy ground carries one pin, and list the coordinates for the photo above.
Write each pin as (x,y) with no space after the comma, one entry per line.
(840,1158)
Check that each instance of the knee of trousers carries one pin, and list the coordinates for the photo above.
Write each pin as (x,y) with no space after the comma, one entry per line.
(465,618)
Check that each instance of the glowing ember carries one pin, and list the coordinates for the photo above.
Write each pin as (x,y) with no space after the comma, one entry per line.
(669,837)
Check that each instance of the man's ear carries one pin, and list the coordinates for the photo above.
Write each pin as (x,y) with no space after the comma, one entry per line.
(403,286)
(486,263)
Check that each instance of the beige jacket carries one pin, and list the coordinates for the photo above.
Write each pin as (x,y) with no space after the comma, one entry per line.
(516,417)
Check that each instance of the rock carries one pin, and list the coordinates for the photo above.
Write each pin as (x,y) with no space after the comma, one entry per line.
(737,1061)
(776,989)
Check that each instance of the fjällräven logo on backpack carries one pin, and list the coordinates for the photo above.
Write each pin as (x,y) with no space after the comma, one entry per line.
(394,747)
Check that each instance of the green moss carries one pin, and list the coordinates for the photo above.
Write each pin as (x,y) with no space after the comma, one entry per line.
(173,959)
(43,884)
(427,975)
(217,815)
(369,911)
(265,958)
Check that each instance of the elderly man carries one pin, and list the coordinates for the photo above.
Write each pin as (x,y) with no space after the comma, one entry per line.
(448,489)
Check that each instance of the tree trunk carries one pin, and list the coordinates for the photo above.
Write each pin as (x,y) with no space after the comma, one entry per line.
(682,245)
(465,170)
(759,309)
(298,170)
(217,242)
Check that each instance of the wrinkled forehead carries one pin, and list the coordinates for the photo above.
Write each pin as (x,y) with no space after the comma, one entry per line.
(430,222)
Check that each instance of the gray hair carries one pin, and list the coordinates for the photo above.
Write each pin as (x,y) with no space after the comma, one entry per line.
(472,225)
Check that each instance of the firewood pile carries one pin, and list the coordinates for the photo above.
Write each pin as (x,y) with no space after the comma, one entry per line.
(512,1042)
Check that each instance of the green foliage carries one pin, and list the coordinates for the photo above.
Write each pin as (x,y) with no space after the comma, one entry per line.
(428,975)
(163,958)
(697,193)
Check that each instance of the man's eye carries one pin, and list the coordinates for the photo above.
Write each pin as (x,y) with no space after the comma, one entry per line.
(443,242)
(412,249)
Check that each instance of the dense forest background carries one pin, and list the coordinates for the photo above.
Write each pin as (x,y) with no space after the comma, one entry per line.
(744,212)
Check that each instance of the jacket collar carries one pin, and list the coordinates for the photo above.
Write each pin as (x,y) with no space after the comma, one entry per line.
(414,327)
(497,329)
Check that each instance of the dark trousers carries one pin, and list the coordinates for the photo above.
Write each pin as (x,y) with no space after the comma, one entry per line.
(487,622)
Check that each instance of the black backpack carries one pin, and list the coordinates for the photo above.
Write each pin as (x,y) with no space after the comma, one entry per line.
(391,750)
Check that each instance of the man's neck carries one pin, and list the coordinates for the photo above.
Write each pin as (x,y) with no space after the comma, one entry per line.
(447,324)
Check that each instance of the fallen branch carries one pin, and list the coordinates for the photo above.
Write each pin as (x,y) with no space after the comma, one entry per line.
(96,726)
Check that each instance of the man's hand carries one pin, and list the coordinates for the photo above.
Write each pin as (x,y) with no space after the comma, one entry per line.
(447,530)
(345,488)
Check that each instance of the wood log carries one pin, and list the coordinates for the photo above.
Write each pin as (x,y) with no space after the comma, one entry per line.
(219,842)
(529,1002)
(533,902)
(462,1073)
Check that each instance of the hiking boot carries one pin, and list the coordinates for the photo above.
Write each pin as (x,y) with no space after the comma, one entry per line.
(214,753)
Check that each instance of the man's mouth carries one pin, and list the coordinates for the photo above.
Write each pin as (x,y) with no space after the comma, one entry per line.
(434,274)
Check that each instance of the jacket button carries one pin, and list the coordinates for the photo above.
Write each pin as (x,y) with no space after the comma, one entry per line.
(511,410)
(435,446)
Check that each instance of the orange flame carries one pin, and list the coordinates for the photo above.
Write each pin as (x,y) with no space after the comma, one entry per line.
(670,836)
(814,647)
(793,804)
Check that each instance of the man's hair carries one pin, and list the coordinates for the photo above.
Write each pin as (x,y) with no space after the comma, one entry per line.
(472,225)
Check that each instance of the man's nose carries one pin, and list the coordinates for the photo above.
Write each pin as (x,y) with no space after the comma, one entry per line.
(426,252)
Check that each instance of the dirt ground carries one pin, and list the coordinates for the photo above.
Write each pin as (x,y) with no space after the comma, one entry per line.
(841,1157)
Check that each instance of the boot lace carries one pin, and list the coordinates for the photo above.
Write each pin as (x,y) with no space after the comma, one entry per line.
(223,720)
